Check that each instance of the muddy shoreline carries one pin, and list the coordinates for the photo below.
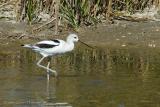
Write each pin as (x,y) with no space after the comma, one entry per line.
(121,34)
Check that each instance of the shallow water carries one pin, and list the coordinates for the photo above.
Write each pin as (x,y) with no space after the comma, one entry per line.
(105,77)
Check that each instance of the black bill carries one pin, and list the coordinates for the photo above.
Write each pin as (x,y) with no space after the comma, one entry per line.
(85,44)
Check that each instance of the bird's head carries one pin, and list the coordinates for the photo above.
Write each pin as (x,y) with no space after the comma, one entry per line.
(72,38)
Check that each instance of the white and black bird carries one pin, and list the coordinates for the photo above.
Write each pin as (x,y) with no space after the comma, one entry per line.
(49,48)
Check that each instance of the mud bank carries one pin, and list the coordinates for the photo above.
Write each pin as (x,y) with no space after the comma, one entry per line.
(121,34)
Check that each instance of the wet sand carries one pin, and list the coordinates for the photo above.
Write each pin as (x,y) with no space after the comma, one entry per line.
(121,34)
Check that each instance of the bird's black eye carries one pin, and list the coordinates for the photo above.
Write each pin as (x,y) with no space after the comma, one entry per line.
(75,37)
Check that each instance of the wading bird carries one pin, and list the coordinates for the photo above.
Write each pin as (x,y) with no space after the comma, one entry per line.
(48,48)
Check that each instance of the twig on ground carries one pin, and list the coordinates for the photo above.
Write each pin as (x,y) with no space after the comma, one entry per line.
(35,29)
(28,36)
(21,36)
(129,18)
(6,3)
(56,16)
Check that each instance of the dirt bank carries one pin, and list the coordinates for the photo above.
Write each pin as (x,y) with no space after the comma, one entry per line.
(121,34)
(124,34)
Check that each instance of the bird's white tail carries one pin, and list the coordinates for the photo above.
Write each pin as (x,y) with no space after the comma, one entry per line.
(27,46)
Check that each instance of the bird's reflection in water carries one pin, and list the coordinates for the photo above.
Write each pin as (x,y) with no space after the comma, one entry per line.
(51,98)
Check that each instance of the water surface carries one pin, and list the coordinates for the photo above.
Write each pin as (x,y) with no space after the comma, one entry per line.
(103,77)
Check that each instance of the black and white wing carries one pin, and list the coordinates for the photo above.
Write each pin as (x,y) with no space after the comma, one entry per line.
(47,44)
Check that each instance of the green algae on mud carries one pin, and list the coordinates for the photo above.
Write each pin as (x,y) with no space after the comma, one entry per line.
(121,34)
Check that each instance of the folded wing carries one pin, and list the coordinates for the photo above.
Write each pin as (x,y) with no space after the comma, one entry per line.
(48,44)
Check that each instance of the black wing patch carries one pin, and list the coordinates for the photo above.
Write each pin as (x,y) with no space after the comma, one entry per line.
(56,41)
(45,45)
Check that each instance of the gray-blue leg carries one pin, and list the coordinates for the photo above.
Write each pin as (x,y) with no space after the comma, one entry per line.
(47,68)
(48,71)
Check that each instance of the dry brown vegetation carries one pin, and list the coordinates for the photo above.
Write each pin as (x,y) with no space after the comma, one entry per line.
(75,13)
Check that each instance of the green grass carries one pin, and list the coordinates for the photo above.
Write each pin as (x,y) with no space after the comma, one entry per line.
(76,13)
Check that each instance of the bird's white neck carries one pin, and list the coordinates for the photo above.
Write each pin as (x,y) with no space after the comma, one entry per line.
(69,45)
(69,40)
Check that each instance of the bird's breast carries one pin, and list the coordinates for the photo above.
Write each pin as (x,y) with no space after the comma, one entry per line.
(68,47)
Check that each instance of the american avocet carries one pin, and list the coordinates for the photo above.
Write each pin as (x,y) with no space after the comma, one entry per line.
(49,48)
